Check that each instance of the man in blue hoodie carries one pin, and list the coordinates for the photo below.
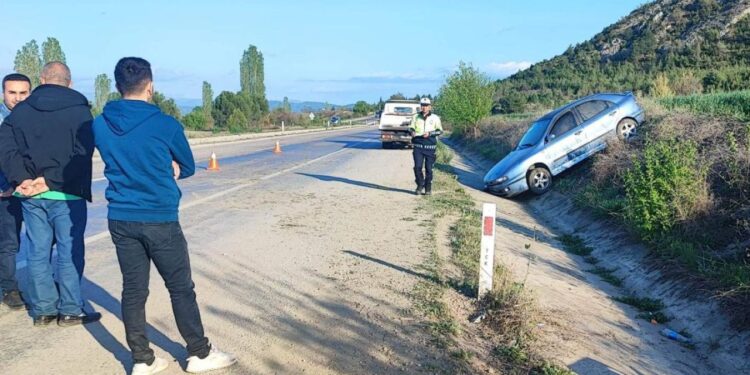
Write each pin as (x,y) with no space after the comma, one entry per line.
(46,146)
(140,146)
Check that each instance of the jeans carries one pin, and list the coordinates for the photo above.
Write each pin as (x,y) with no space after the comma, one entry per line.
(10,231)
(427,158)
(65,223)
(138,244)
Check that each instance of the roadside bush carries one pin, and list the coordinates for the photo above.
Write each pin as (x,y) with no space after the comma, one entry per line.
(666,185)
(465,98)
(498,135)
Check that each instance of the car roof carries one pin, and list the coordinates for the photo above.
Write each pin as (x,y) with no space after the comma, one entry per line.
(402,101)
(609,96)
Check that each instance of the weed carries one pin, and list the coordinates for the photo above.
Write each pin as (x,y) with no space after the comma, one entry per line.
(575,245)
(607,275)
(642,304)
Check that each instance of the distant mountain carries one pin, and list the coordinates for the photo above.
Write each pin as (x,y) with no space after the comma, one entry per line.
(187,105)
(300,106)
(699,45)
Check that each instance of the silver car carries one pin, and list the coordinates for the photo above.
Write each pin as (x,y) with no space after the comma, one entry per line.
(562,138)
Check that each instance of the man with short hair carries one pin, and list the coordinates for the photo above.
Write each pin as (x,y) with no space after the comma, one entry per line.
(425,128)
(143,215)
(46,145)
(16,88)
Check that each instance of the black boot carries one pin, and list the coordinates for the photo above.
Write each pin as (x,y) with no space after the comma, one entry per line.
(13,300)
(83,318)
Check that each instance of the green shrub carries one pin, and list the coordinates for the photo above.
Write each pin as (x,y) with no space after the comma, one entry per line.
(666,185)
(734,104)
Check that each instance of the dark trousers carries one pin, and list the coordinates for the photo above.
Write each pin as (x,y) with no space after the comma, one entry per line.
(10,230)
(137,245)
(426,158)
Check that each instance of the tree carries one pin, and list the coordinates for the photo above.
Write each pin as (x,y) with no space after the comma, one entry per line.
(286,106)
(660,87)
(237,122)
(29,62)
(252,77)
(51,51)
(167,105)
(195,120)
(114,96)
(102,85)
(208,104)
(397,96)
(465,98)
(361,108)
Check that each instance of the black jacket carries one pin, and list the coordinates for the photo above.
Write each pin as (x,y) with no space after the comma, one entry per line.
(49,135)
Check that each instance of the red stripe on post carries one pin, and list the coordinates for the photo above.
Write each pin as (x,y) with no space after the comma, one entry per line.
(489,225)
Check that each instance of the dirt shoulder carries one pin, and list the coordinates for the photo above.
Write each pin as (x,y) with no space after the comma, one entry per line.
(582,325)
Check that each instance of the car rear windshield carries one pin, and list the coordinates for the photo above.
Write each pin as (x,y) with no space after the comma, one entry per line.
(534,134)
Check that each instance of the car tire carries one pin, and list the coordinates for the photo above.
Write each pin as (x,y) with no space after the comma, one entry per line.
(539,180)
(626,129)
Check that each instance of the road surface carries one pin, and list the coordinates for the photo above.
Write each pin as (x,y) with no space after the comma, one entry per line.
(302,261)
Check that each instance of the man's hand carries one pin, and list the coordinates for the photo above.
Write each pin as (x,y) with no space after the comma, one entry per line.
(175,170)
(30,188)
(426,135)
(7,193)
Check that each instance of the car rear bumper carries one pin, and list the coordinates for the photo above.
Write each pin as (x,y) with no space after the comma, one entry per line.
(395,137)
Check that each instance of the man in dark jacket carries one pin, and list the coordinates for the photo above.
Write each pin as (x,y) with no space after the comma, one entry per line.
(16,88)
(46,146)
(140,146)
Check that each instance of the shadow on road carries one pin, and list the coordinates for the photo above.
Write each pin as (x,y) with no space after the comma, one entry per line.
(101,297)
(355,182)
(391,265)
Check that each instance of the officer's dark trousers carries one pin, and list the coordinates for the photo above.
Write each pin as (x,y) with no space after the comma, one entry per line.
(426,158)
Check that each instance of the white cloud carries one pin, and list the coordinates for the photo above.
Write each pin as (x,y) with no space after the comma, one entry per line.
(506,68)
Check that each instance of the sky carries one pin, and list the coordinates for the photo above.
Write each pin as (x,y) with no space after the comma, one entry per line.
(328,51)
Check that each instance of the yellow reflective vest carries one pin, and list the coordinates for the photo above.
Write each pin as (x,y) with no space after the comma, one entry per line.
(420,125)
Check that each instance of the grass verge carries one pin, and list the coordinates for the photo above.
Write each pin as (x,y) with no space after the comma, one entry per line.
(509,308)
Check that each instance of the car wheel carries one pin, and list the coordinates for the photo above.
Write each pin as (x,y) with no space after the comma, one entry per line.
(626,129)
(540,180)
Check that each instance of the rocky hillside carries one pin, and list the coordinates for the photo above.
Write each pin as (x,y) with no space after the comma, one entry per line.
(691,45)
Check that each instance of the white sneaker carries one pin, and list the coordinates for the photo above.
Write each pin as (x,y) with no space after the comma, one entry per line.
(159,365)
(215,360)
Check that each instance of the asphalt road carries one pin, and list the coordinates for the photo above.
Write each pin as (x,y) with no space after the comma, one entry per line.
(303,263)
(242,164)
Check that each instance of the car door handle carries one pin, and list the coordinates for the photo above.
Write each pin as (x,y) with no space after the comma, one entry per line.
(613,113)
(579,132)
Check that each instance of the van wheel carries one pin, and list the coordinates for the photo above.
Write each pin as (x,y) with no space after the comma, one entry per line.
(626,129)
(540,180)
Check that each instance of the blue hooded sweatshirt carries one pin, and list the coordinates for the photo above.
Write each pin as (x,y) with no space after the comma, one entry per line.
(138,143)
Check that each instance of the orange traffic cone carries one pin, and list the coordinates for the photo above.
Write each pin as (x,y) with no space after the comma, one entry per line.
(277,149)
(213,164)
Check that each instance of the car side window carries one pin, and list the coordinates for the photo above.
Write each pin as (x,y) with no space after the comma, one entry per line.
(565,123)
(590,109)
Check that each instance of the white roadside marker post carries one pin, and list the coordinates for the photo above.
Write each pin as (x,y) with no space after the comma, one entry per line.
(487,256)
(282,126)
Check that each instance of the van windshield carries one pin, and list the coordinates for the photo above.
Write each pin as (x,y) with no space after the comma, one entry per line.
(402,110)
(534,134)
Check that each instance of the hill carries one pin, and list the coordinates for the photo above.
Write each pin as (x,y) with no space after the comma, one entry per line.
(693,46)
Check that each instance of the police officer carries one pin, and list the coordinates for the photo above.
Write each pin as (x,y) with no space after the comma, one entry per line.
(425,128)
